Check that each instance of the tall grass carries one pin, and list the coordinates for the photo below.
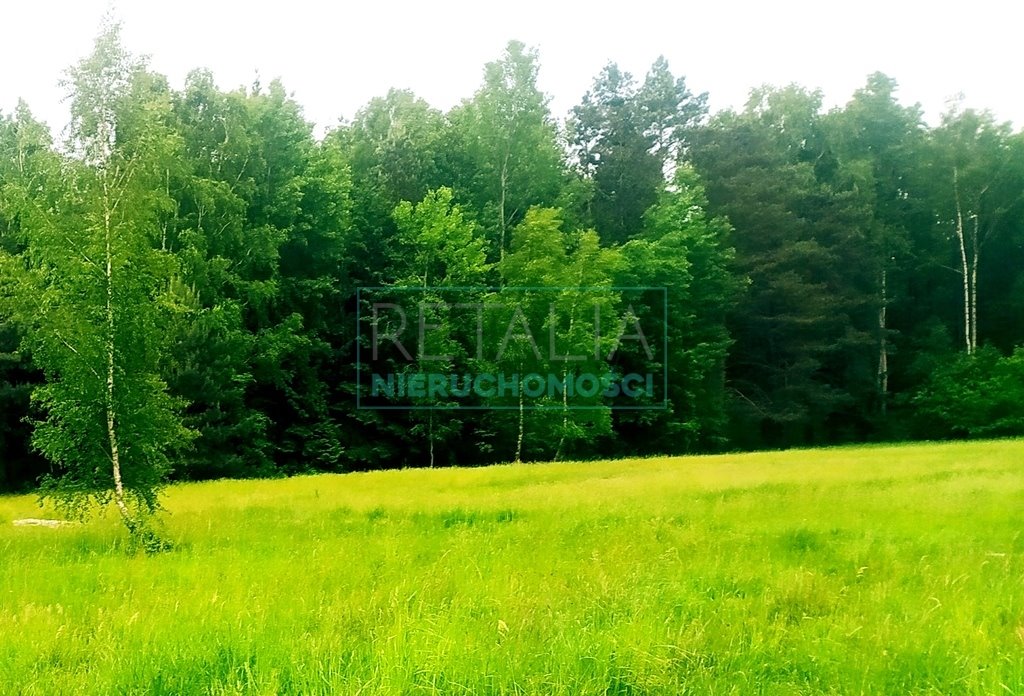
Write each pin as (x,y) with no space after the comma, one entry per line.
(848,571)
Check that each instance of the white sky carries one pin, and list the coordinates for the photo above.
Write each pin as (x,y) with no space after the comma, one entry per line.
(334,56)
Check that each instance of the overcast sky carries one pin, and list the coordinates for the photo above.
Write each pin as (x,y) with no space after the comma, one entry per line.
(335,56)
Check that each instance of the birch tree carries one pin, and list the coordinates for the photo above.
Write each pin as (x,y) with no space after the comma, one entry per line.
(976,167)
(96,293)
(554,282)
(437,249)
(507,141)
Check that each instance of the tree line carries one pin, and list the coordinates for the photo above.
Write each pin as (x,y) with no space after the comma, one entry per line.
(179,272)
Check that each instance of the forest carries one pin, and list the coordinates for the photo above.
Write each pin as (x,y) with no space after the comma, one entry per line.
(180,269)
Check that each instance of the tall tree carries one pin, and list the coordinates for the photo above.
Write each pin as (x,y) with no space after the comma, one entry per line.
(881,145)
(553,282)
(210,363)
(626,138)
(685,251)
(506,153)
(803,357)
(262,227)
(981,187)
(396,149)
(670,112)
(97,292)
(438,248)
(29,176)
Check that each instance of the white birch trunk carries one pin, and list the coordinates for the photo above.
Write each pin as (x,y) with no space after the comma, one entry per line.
(559,453)
(115,453)
(974,286)
(963,263)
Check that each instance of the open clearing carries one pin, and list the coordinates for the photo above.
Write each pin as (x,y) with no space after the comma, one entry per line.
(853,570)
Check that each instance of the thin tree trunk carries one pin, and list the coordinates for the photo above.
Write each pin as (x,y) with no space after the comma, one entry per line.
(430,412)
(963,263)
(883,347)
(501,206)
(522,422)
(163,228)
(559,452)
(430,428)
(974,287)
(115,452)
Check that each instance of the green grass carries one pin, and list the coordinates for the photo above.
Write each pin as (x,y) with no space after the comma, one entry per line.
(896,570)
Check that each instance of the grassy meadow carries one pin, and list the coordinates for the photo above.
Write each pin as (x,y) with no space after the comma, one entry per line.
(872,570)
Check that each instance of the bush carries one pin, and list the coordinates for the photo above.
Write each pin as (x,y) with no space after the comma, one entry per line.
(980,395)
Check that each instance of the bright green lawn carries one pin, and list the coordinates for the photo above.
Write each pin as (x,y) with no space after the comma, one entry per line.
(893,570)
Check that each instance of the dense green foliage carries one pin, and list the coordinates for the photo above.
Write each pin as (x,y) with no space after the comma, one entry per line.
(853,570)
(833,276)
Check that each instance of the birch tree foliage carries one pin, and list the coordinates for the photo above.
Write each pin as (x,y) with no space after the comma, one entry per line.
(100,293)
(438,248)
(506,145)
(556,283)
(980,189)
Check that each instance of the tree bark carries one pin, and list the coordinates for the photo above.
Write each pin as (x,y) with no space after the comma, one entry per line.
(883,347)
(430,435)
(501,207)
(115,452)
(974,286)
(960,235)
(559,452)
(522,422)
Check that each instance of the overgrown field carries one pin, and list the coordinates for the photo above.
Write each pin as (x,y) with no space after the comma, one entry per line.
(896,570)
